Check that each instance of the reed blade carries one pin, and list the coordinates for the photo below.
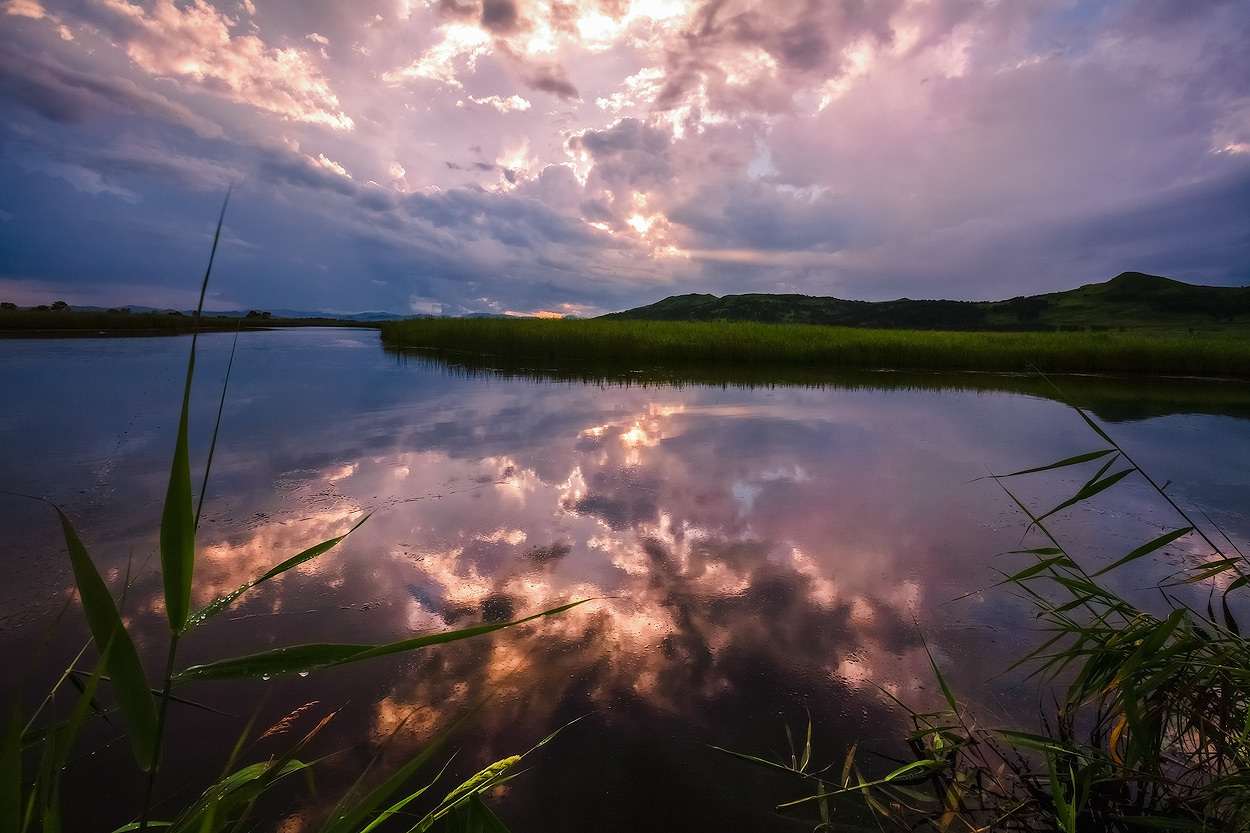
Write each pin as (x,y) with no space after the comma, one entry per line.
(482,819)
(223,602)
(1089,490)
(304,658)
(350,814)
(130,685)
(178,524)
(11,773)
(1146,549)
(1070,461)
(178,517)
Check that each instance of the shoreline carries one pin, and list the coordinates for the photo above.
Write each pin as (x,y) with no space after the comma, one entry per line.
(575,345)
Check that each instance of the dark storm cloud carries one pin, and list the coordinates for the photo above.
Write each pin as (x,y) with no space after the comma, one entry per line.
(510,219)
(1196,233)
(625,136)
(555,185)
(458,10)
(803,47)
(157,162)
(596,211)
(293,169)
(806,40)
(630,153)
(1157,14)
(551,79)
(749,214)
(64,93)
(499,16)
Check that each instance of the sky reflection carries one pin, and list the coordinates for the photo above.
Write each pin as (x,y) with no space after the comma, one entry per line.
(751,554)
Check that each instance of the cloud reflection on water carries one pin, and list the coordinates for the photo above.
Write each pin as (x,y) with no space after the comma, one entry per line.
(750,551)
(697,592)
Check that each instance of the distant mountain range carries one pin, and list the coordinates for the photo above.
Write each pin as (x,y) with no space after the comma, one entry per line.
(275,313)
(1131,300)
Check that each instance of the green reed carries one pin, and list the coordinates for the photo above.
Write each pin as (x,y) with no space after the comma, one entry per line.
(36,749)
(1151,722)
(640,344)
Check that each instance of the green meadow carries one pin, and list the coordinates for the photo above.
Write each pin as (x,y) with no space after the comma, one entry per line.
(644,344)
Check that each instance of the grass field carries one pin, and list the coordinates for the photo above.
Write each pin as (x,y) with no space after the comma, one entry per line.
(646,344)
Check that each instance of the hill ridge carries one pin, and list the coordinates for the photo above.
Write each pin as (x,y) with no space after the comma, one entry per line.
(1130,300)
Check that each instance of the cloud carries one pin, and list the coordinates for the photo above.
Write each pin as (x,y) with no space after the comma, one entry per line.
(461,44)
(624,163)
(504,105)
(196,46)
(25,8)
(529,155)
(551,78)
(705,614)
(499,16)
(168,166)
(75,95)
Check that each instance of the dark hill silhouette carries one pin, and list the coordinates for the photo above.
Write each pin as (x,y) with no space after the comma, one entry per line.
(1130,300)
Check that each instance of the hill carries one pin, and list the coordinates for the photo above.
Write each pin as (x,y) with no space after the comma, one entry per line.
(1129,301)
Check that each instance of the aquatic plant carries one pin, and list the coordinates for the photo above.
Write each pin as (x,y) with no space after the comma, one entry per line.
(642,345)
(1151,721)
(37,749)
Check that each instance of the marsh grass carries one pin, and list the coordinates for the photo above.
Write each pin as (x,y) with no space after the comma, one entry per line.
(36,749)
(1150,728)
(1112,398)
(646,344)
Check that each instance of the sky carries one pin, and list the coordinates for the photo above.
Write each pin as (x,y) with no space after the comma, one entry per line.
(574,157)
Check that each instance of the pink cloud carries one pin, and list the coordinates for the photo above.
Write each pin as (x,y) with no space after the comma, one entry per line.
(196,45)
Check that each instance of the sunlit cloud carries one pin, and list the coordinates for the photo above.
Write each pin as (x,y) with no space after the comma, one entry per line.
(321,161)
(196,45)
(25,8)
(504,105)
(460,45)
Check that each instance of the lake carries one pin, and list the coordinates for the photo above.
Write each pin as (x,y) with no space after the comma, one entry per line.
(754,555)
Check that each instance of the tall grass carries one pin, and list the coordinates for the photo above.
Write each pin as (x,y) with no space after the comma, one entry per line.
(36,749)
(517,342)
(1151,724)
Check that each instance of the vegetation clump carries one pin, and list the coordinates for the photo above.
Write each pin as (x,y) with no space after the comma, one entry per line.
(644,344)
(36,749)
(1151,724)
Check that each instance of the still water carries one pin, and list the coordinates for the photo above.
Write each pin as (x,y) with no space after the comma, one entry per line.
(753,555)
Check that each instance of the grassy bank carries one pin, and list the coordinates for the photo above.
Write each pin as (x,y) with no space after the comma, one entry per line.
(53,322)
(649,343)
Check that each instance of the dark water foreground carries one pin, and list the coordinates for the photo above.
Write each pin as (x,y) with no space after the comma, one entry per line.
(755,554)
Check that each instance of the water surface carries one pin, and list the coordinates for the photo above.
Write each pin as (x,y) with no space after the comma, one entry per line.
(754,554)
